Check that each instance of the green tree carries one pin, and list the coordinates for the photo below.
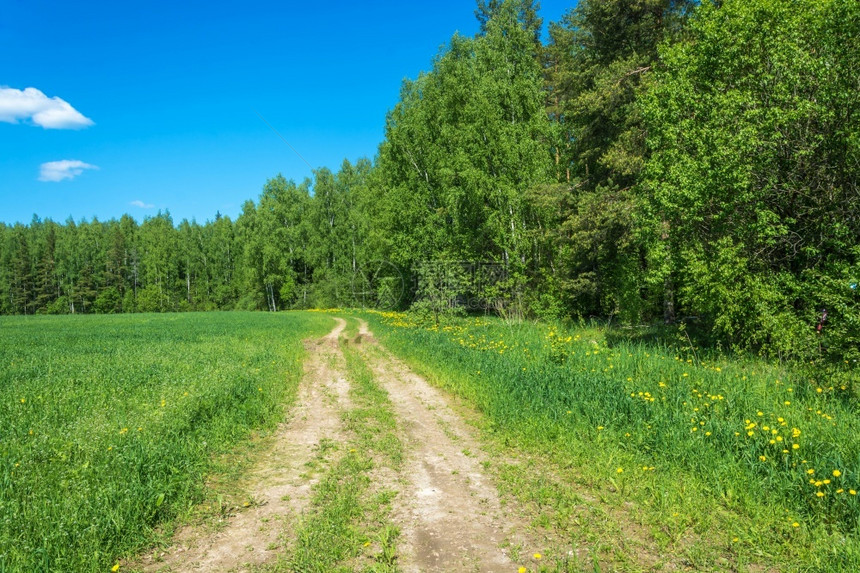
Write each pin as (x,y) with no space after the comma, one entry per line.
(752,186)
(598,62)
(464,146)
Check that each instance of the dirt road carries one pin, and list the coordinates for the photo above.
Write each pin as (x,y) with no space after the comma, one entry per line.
(445,507)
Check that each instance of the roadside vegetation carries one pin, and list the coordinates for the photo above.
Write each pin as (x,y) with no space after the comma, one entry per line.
(111,424)
(724,461)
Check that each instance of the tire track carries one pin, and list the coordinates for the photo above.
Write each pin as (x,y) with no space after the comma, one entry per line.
(449,509)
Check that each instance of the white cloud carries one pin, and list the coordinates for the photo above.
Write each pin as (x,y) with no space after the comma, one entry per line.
(142,205)
(65,169)
(31,105)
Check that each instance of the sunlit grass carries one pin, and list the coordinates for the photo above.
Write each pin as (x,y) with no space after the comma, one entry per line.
(110,423)
(765,458)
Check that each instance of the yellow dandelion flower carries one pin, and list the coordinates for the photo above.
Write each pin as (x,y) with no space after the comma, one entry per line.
(537,555)
(795,446)
(840,490)
(522,570)
(852,492)
(763,458)
(795,524)
(820,494)
(810,471)
(115,568)
(837,473)
(619,471)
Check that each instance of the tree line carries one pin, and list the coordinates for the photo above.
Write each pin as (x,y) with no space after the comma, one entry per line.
(649,161)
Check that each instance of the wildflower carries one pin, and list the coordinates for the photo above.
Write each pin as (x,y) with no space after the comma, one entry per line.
(836,473)
(522,570)
(795,524)
(840,490)
(810,471)
(115,568)
(820,494)
(763,458)
(795,446)
(852,492)
(619,471)
(537,556)
(599,428)
(787,403)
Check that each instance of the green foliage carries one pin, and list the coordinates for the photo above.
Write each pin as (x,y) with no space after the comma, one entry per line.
(462,148)
(110,423)
(598,60)
(752,177)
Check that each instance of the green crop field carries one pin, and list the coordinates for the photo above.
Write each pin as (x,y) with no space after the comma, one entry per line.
(725,462)
(110,423)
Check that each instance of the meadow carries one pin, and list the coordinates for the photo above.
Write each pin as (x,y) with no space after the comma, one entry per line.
(110,424)
(727,462)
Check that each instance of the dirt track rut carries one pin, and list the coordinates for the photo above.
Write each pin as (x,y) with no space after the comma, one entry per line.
(449,509)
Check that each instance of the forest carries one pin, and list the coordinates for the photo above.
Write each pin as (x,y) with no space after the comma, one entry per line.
(638,161)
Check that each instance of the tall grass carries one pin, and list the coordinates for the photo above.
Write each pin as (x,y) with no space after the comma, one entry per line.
(109,423)
(776,452)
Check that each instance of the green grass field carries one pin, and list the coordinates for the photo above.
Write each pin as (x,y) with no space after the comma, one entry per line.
(727,462)
(111,423)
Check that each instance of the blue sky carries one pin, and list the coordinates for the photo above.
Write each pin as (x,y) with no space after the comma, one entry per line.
(161,97)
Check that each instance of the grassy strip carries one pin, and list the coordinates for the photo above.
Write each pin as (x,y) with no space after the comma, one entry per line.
(347,528)
(721,462)
(111,423)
